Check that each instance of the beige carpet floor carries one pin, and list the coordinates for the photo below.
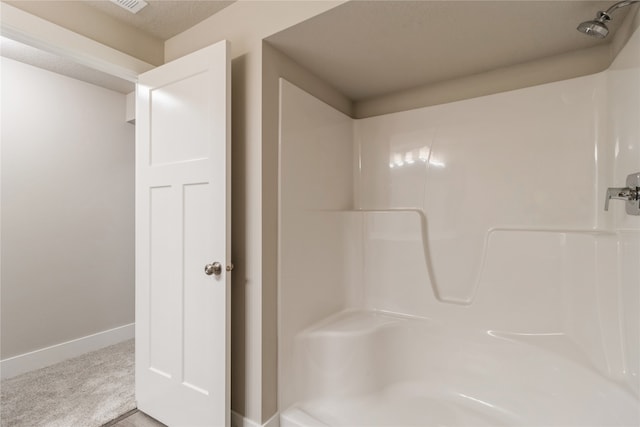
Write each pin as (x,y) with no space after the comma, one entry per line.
(86,391)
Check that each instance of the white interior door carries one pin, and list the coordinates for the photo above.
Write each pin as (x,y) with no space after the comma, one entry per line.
(183,224)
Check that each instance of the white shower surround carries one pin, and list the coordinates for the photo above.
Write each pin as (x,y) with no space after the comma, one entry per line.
(465,273)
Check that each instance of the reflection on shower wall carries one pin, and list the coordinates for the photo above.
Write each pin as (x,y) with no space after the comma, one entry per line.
(482,214)
(519,159)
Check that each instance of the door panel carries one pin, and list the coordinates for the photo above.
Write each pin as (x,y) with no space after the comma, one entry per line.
(180,111)
(182,224)
(197,310)
(162,250)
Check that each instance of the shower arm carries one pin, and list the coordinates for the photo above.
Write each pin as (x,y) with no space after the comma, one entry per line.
(607,13)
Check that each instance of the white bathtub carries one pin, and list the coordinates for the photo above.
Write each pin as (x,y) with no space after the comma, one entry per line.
(485,287)
(367,368)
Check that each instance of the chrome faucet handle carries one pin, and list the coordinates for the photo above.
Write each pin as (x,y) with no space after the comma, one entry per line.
(619,193)
(630,194)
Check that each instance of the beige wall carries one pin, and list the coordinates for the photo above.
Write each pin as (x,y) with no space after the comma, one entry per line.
(67,210)
(254,242)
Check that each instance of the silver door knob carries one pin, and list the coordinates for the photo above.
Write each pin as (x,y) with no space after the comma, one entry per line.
(215,268)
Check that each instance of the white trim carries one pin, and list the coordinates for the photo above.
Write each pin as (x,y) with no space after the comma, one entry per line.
(238,420)
(57,353)
(29,29)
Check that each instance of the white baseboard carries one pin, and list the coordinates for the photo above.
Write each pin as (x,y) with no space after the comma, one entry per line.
(57,353)
(238,420)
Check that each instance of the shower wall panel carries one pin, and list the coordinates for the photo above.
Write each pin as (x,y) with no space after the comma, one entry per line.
(623,136)
(520,159)
(623,145)
(494,206)
(316,244)
(484,215)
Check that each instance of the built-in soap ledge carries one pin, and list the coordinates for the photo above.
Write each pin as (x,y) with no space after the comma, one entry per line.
(350,322)
(406,270)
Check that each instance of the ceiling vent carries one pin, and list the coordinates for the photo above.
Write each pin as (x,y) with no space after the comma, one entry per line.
(133,6)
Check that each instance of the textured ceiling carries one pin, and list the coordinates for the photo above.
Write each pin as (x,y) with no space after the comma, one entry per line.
(162,18)
(372,48)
